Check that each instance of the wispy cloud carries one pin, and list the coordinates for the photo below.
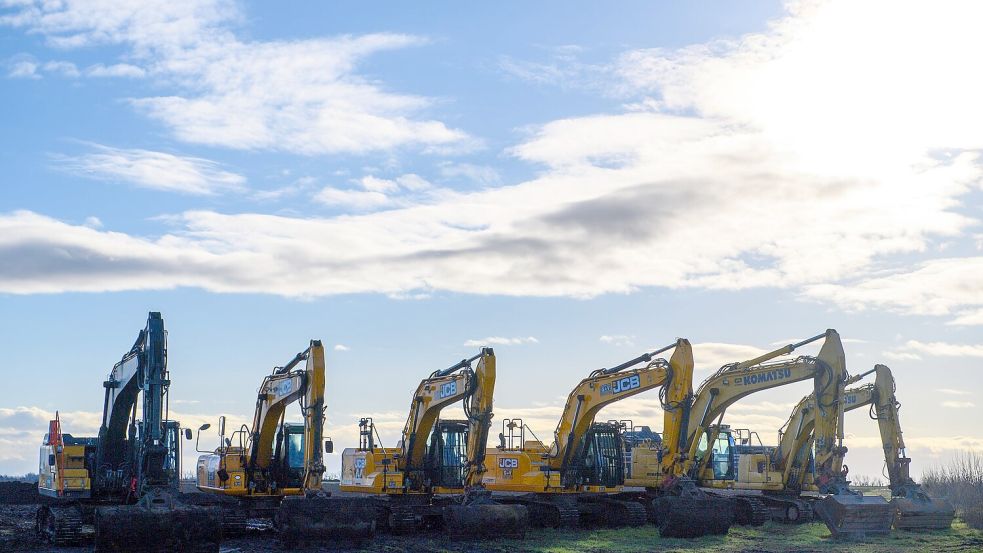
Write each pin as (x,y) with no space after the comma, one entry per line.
(958,404)
(914,349)
(951,392)
(501,341)
(618,340)
(154,170)
(302,96)
(341,347)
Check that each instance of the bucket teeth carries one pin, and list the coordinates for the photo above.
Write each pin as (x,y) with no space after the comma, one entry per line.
(323,520)
(486,520)
(856,516)
(923,514)
(134,528)
(686,517)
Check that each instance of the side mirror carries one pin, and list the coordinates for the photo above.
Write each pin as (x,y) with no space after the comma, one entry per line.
(204,427)
(328,446)
(187,433)
(51,460)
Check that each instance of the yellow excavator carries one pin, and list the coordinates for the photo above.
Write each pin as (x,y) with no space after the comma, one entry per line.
(433,478)
(714,458)
(581,477)
(915,509)
(273,470)
(124,483)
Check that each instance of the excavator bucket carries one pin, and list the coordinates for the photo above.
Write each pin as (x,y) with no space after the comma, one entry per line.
(688,517)
(157,529)
(855,516)
(325,520)
(922,513)
(486,520)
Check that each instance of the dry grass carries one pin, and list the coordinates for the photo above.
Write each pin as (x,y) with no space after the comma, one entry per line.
(961,482)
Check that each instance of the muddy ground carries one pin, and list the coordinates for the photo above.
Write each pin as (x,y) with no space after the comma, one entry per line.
(19,501)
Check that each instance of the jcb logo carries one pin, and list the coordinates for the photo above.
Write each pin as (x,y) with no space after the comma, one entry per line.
(621,385)
(508,463)
(449,389)
(850,399)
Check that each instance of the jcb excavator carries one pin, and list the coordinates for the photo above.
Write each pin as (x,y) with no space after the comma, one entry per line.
(124,481)
(433,478)
(915,509)
(580,478)
(274,469)
(710,459)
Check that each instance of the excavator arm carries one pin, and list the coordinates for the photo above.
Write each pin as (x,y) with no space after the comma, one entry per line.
(478,410)
(442,388)
(916,509)
(738,380)
(604,387)
(284,386)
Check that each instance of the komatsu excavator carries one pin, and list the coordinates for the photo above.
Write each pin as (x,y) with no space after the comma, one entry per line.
(580,478)
(433,478)
(710,447)
(274,468)
(124,481)
(915,509)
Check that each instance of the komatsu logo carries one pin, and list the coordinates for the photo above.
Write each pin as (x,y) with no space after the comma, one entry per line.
(621,385)
(778,374)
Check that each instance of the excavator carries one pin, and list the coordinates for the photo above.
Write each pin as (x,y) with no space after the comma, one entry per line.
(915,509)
(710,446)
(273,470)
(580,478)
(433,477)
(123,483)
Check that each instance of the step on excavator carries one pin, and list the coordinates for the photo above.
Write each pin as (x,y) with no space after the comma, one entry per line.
(273,469)
(124,482)
(580,478)
(915,510)
(433,478)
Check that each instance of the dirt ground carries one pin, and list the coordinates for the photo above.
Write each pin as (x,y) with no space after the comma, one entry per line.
(18,505)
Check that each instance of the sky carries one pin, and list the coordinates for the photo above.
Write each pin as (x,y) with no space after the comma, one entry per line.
(569,184)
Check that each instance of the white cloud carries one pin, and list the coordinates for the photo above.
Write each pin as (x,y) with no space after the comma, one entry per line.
(951,392)
(618,340)
(377,193)
(501,341)
(936,287)
(64,68)
(355,199)
(713,355)
(914,349)
(115,70)
(341,347)
(775,160)
(301,96)
(24,69)
(93,222)
(155,170)
(481,174)
(958,404)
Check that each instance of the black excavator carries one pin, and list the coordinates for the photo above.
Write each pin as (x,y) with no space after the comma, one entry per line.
(123,484)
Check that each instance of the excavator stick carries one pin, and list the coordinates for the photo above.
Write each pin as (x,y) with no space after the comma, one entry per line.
(922,513)
(854,516)
(486,520)
(688,517)
(158,524)
(325,520)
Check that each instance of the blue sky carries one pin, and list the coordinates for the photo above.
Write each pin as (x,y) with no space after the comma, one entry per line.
(568,183)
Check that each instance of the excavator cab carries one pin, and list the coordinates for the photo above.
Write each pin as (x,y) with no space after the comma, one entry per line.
(604,458)
(288,457)
(447,454)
